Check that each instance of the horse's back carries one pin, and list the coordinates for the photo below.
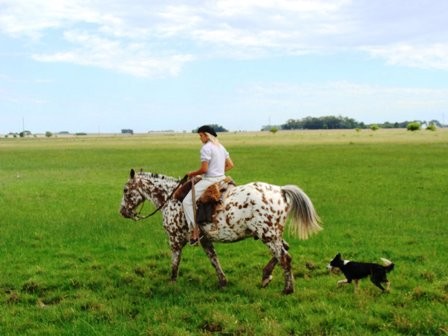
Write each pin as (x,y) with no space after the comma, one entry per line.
(256,191)
(255,199)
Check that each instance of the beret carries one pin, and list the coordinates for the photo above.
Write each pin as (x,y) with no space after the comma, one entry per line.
(207,129)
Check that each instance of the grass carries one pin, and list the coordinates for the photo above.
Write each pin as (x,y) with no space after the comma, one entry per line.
(70,265)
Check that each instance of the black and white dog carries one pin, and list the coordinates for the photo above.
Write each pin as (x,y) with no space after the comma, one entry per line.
(357,270)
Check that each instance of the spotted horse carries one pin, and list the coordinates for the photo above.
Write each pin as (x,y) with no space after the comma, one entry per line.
(257,210)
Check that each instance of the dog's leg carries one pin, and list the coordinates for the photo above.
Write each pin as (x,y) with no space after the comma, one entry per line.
(388,286)
(356,285)
(376,280)
(378,277)
(378,284)
(342,282)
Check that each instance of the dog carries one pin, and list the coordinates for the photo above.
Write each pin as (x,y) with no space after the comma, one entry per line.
(358,270)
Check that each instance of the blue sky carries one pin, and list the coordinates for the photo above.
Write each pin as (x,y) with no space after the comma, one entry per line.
(104,65)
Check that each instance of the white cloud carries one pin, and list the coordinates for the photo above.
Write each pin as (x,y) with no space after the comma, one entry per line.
(31,18)
(151,38)
(130,57)
(247,7)
(432,56)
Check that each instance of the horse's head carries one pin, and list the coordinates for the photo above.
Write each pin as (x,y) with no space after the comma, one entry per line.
(132,196)
(145,186)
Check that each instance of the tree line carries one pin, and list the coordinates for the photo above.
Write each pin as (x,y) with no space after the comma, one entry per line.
(339,122)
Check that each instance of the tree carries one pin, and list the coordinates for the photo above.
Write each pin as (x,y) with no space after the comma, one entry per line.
(326,122)
(435,123)
(24,133)
(413,126)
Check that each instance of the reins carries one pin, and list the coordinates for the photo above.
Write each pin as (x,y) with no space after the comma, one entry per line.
(138,217)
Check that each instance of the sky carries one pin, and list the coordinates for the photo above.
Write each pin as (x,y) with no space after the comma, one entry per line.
(100,66)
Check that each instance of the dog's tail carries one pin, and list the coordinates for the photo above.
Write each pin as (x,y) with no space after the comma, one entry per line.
(388,265)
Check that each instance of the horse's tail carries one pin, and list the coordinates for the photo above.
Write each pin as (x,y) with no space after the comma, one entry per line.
(304,218)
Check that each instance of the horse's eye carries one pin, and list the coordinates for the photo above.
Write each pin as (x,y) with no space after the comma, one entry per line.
(125,190)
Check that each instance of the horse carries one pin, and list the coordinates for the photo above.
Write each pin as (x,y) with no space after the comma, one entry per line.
(258,210)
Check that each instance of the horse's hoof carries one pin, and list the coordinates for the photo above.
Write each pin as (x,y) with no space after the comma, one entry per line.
(223,284)
(266,281)
(287,291)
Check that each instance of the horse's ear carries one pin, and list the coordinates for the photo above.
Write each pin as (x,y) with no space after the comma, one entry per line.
(132,174)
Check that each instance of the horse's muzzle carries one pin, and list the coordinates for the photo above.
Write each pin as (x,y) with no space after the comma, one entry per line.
(127,213)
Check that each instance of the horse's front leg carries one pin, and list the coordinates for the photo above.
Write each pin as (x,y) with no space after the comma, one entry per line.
(177,243)
(176,256)
(211,253)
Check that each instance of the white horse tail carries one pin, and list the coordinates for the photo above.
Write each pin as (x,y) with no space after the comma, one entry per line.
(304,218)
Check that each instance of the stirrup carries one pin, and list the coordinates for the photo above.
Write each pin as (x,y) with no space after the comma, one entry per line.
(195,241)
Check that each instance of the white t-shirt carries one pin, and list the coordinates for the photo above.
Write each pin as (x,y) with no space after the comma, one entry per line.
(216,156)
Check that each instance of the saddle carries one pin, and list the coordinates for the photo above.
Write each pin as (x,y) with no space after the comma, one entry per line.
(211,198)
(185,188)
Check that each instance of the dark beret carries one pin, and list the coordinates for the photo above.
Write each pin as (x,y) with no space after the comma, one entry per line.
(207,129)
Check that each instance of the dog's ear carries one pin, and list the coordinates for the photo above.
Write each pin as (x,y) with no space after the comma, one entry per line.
(338,255)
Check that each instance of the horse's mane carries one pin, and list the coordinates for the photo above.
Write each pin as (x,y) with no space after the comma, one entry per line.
(149,175)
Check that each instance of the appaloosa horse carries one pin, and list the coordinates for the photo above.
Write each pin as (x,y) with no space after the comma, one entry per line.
(258,210)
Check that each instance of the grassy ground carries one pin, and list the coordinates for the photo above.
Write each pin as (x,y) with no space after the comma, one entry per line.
(70,265)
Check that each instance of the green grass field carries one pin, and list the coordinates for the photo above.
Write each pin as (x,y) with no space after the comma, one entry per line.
(70,265)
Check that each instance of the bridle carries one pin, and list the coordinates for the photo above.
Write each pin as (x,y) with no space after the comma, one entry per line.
(138,217)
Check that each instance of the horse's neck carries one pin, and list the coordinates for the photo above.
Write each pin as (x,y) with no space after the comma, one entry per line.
(157,188)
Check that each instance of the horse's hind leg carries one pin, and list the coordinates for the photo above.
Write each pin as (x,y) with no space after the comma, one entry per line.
(285,261)
(267,272)
(211,253)
(284,258)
